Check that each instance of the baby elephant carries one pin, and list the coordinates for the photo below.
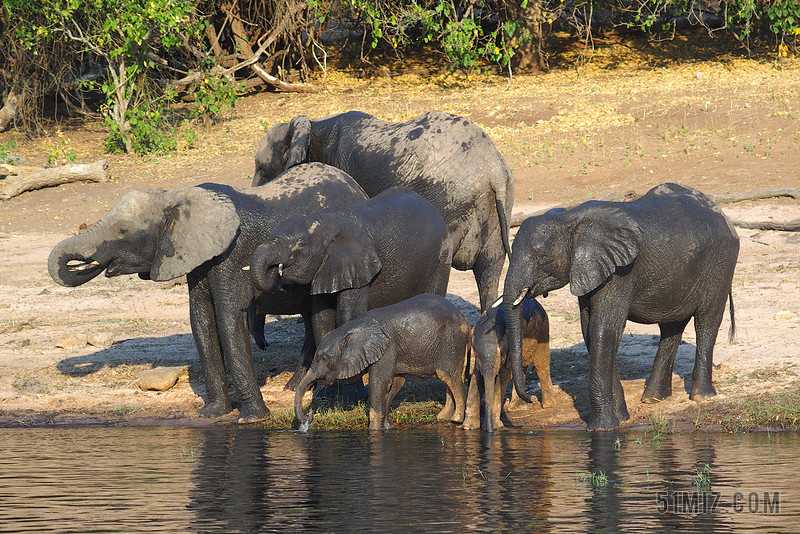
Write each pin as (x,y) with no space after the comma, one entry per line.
(422,336)
(492,373)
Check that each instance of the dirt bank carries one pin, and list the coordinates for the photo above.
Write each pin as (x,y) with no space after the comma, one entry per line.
(568,136)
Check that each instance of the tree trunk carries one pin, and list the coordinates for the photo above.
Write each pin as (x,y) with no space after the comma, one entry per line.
(31,178)
(527,39)
(9,110)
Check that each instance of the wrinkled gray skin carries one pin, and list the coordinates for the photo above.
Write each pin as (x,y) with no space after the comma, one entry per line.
(665,258)
(491,372)
(208,233)
(422,336)
(448,160)
(384,250)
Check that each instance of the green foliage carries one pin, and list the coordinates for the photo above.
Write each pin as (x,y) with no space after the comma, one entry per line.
(458,33)
(5,151)
(126,38)
(213,94)
(60,152)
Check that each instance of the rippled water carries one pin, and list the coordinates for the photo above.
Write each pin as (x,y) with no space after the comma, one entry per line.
(164,479)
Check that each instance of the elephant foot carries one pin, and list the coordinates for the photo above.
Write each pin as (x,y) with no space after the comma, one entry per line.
(252,413)
(702,391)
(607,419)
(599,421)
(471,423)
(216,409)
(653,394)
(446,414)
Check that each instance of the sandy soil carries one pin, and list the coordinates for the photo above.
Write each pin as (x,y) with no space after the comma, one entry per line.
(568,136)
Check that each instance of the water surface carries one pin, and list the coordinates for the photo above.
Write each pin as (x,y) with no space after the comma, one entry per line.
(166,479)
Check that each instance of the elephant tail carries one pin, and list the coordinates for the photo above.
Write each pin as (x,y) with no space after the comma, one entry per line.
(501,214)
(467,372)
(732,330)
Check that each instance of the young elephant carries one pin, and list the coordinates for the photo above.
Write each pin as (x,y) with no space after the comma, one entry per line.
(422,336)
(387,249)
(208,233)
(665,258)
(491,372)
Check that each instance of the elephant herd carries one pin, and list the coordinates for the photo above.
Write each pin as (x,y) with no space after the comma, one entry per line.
(354,223)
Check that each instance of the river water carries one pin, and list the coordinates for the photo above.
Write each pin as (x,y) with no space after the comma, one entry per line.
(232,479)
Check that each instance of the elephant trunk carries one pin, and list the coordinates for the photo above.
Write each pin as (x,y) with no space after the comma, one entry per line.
(513,294)
(74,261)
(262,261)
(303,422)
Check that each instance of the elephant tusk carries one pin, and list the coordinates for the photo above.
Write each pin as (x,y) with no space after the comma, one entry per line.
(497,303)
(84,266)
(246,268)
(280,269)
(521,296)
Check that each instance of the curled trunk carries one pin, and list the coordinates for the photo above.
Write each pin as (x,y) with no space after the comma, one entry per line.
(74,261)
(262,263)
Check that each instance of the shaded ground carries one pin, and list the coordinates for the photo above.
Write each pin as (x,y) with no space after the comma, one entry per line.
(720,126)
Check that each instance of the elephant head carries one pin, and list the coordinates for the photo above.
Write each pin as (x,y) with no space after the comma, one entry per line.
(159,235)
(343,353)
(581,247)
(329,252)
(284,146)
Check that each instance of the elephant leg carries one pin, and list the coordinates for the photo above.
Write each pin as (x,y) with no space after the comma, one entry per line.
(585,318)
(541,363)
(306,355)
(204,330)
(659,384)
(487,269)
(472,412)
(446,413)
(397,383)
(706,326)
(455,383)
(323,316)
(605,329)
(514,402)
(237,352)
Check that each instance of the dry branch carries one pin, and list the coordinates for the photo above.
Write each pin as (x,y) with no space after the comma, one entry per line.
(756,195)
(36,177)
(791,226)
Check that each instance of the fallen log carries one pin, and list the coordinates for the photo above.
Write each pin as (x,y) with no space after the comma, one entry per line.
(756,195)
(791,226)
(20,179)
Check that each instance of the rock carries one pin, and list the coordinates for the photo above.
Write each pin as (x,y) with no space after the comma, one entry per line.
(101,340)
(71,341)
(159,379)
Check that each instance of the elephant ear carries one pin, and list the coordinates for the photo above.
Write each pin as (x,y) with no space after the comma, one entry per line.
(605,238)
(299,136)
(351,262)
(199,224)
(362,348)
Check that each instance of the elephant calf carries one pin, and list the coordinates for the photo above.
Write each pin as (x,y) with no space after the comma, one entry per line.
(491,373)
(382,251)
(422,336)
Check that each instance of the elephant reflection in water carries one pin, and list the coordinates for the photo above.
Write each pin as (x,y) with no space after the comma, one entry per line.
(249,480)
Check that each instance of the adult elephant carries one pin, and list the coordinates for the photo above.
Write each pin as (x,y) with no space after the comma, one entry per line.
(387,249)
(208,233)
(664,258)
(448,160)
